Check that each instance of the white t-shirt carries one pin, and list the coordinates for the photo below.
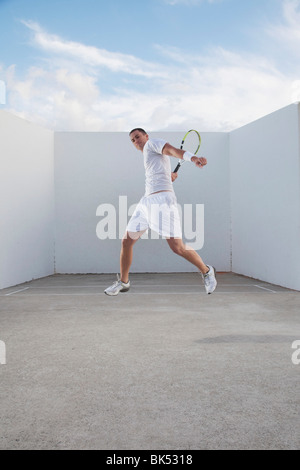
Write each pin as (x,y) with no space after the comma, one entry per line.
(157,167)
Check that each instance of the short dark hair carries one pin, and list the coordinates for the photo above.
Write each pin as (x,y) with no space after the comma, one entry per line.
(138,129)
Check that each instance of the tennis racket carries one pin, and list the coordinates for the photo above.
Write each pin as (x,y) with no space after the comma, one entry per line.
(191,140)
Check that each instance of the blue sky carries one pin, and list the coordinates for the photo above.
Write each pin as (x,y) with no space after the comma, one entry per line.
(94,65)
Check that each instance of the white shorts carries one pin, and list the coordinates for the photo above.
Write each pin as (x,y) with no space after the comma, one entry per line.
(159,212)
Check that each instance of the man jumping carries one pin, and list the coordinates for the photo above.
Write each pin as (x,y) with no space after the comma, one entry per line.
(158,210)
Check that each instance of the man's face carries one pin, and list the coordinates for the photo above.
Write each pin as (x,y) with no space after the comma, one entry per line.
(139,139)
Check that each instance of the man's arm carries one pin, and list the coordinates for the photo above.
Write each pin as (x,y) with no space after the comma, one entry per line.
(178,153)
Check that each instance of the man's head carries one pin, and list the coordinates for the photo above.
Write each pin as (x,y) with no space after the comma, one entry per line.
(138,137)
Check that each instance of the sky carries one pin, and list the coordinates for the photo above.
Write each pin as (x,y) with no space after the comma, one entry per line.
(95,65)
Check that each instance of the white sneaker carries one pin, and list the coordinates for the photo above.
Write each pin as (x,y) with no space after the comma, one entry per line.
(209,279)
(117,287)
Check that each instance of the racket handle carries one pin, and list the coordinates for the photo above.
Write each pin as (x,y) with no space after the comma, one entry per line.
(177,168)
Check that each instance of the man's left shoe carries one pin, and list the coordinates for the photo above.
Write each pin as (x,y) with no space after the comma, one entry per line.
(117,287)
(209,279)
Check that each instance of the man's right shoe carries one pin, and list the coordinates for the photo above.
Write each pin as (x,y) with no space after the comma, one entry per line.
(117,287)
(209,279)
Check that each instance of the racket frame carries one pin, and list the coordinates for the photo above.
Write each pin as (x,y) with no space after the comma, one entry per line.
(181,148)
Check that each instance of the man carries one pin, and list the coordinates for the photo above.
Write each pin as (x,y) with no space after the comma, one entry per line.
(158,210)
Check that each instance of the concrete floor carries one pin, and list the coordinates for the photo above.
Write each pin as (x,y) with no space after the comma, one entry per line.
(162,367)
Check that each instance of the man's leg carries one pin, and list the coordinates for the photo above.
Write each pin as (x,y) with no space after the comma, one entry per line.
(177,245)
(208,272)
(129,239)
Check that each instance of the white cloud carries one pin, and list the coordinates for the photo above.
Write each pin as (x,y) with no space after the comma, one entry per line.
(90,55)
(286,37)
(288,32)
(84,88)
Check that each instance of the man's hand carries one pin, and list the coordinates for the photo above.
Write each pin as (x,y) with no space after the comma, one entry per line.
(199,161)
(174,176)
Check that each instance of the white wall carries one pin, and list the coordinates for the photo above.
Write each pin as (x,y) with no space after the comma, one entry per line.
(251,201)
(265,198)
(96,168)
(26,201)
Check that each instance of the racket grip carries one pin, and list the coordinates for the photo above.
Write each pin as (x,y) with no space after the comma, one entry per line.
(177,168)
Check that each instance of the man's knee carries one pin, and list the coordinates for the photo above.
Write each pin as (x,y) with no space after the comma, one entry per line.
(128,240)
(177,247)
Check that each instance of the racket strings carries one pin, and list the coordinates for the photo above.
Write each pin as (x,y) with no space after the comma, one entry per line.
(191,142)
